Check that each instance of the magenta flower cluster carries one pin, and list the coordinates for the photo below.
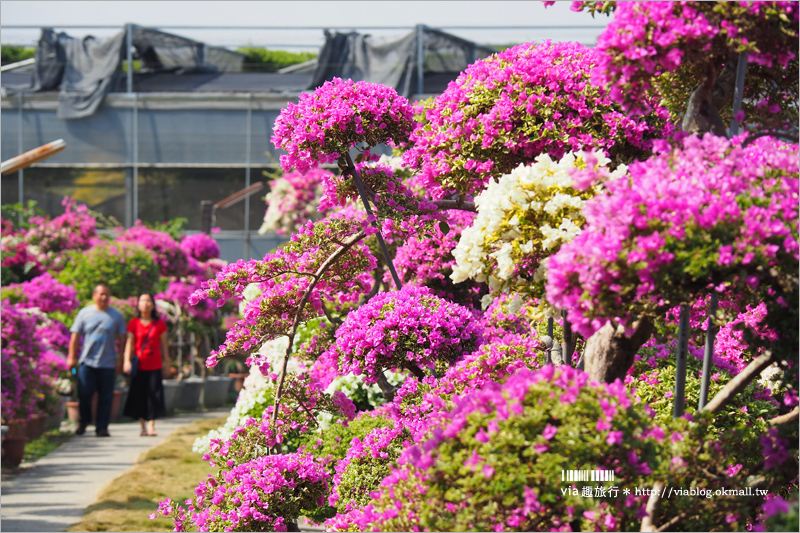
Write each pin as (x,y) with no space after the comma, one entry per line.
(410,329)
(166,251)
(200,246)
(507,109)
(629,255)
(74,230)
(731,352)
(203,311)
(257,495)
(47,294)
(427,259)
(340,114)
(487,414)
(647,39)
(26,375)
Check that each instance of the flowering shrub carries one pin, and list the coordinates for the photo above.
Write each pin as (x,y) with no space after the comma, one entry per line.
(18,263)
(363,468)
(489,429)
(497,462)
(76,229)
(283,277)
(127,268)
(333,441)
(341,114)
(200,246)
(166,251)
(647,244)
(734,318)
(26,377)
(667,46)
(43,292)
(507,109)
(523,218)
(261,495)
(293,200)
(652,379)
(409,329)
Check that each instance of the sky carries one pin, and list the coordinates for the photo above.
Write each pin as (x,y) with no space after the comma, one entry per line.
(501,22)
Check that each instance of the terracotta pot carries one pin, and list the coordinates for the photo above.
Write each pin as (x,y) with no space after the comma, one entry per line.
(13,450)
(238,381)
(73,412)
(16,428)
(35,427)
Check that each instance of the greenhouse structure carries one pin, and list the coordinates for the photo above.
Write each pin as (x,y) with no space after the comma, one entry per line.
(189,127)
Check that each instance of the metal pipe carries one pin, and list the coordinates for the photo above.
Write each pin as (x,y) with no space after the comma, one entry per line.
(135,134)
(129,43)
(18,64)
(680,363)
(184,27)
(247,179)
(420,59)
(566,342)
(708,354)
(20,99)
(22,161)
(128,197)
(738,91)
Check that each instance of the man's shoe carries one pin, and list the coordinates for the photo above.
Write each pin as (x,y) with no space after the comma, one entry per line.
(81,430)
(103,433)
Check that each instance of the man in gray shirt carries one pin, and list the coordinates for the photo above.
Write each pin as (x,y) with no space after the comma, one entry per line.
(102,327)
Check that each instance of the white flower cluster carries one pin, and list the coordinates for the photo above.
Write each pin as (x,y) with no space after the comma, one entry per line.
(523,216)
(284,210)
(253,397)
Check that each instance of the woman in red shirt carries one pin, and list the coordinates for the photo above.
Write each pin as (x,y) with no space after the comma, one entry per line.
(147,339)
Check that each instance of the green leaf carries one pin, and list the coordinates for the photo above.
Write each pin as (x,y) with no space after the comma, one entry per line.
(444,228)
(359,158)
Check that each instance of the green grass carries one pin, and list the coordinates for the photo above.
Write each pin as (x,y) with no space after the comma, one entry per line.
(38,448)
(170,470)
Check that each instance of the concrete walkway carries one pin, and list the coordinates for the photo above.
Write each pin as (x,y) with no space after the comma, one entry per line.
(53,493)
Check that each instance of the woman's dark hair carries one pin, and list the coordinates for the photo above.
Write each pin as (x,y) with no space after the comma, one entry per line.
(155,309)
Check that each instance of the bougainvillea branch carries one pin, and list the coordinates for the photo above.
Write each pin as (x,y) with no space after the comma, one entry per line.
(351,170)
(298,317)
(739,382)
(791,416)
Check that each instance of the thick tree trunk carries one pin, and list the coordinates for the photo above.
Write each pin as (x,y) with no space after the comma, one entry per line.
(386,387)
(609,352)
(702,113)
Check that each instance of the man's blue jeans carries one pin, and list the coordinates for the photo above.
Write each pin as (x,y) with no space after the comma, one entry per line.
(101,381)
